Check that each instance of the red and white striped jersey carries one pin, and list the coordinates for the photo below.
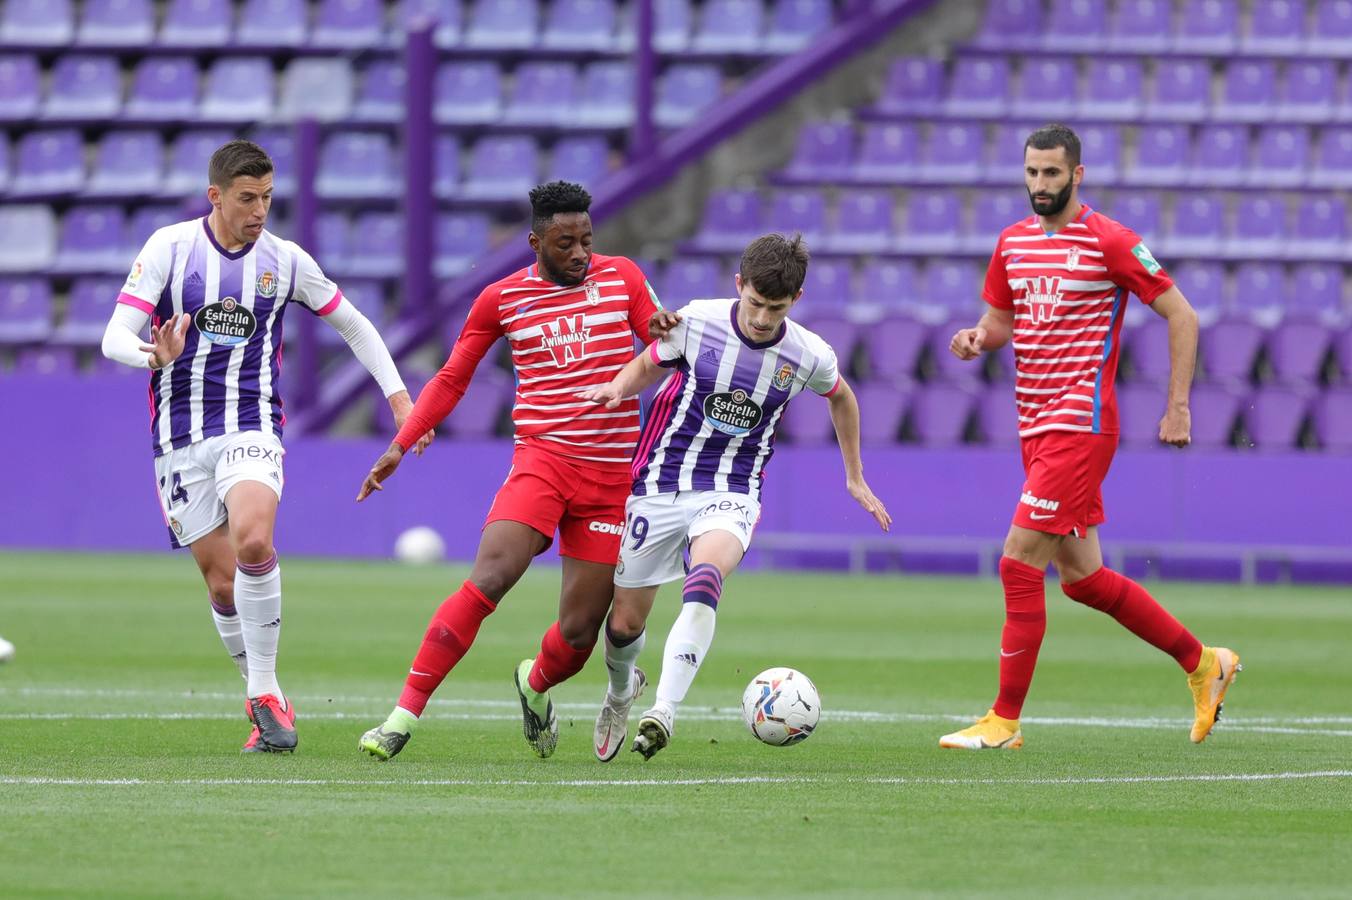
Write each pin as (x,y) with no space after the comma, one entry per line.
(563,340)
(1067,291)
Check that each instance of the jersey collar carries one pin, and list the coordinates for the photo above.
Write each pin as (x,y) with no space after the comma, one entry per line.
(756,345)
(228,254)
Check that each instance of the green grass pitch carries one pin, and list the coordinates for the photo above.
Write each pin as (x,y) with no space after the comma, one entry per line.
(122,718)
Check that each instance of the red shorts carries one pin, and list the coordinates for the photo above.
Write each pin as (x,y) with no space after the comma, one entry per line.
(1063,481)
(583,503)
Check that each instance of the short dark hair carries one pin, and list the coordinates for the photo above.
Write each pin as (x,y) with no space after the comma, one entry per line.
(548,200)
(775,265)
(238,158)
(1049,137)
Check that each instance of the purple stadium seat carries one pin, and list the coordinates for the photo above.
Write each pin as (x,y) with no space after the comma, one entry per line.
(887,283)
(163,87)
(1203,283)
(1147,346)
(997,417)
(145,221)
(794,23)
(116,23)
(828,322)
(1332,28)
(1114,89)
(1140,407)
(447,15)
(317,87)
(608,94)
(446,165)
(196,23)
(1011,24)
(950,286)
(129,163)
(25,310)
(1162,153)
(468,93)
(1215,410)
(378,250)
(88,307)
(729,26)
(933,222)
(503,24)
(1142,25)
(356,164)
(1046,88)
(1198,225)
(238,88)
(1005,153)
(992,213)
(863,222)
(579,25)
(798,210)
(946,368)
(806,424)
(1320,227)
(979,87)
(1259,291)
(1101,149)
(882,407)
(893,346)
(1334,169)
(1182,91)
(913,87)
(380,98)
(673,21)
(1260,226)
(684,90)
(888,152)
(1297,351)
(1332,418)
(47,23)
(461,240)
(1274,416)
(695,278)
(954,152)
(503,167)
(482,407)
(940,413)
(92,240)
(272,23)
(1082,24)
(4,163)
(542,93)
(1140,211)
(1309,91)
(1275,26)
(333,240)
(1250,90)
(188,158)
(20,86)
(1342,351)
(1208,26)
(1317,293)
(824,152)
(584,160)
(1228,351)
(84,87)
(1220,156)
(47,361)
(280,144)
(1282,157)
(27,237)
(348,23)
(732,217)
(49,162)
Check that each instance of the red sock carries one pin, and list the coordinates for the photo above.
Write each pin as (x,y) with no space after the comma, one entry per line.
(1138,612)
(1025,624)
(558,660)
(449,636)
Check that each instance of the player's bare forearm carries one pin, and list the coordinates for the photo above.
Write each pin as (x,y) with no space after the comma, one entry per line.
(999,327)
(845,420)
(637,376)
(1183,331)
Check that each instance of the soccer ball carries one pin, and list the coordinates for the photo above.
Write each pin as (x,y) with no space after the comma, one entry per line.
(419,545)
(781,706)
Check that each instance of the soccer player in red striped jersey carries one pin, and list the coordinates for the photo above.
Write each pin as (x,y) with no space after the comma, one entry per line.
(1055,288)
(571,319)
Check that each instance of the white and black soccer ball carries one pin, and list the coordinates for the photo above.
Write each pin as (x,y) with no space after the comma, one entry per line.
(781,706)
(419,545)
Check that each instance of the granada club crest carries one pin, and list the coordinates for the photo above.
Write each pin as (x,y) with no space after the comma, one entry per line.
(1072,259)
(784,377)
(593,293)
(1042,294)
(266,285)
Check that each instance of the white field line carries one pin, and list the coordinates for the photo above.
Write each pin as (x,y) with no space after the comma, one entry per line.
(672,782)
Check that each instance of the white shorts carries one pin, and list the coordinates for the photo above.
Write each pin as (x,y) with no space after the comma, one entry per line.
(194,480)
(658,528)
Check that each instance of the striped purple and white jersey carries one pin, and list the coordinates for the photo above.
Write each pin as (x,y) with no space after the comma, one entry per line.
(226,379)
(712,425)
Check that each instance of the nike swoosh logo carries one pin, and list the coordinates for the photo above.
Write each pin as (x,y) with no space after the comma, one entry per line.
(1015,653)
(1033,515)
(416,672)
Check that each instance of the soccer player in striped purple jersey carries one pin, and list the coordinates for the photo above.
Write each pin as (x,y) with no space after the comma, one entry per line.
(734,366)
(214,290)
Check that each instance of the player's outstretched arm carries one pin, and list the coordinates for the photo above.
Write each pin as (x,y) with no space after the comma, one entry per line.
(995,329)
(845,419)
(640,374)
(662,323)
(122,339)
(1176,425)
(384,467)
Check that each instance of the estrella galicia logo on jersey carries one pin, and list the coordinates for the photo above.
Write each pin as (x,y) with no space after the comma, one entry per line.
(226,323)
(266,285)
(1145,258)
(566,338)
(784,377)
(732,412)
(1042,294)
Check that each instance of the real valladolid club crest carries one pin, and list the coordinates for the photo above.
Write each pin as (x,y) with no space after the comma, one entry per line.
(784,377)
(593,293)
(266,285)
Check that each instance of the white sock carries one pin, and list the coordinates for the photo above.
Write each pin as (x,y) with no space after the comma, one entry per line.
(620,663)
(227,626)
(687,645)
(258,597)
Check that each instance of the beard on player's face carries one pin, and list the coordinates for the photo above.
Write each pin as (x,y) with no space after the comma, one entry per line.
(1048,204)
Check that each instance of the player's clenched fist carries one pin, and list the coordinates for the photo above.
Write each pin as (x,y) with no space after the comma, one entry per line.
(967,343)
(384,468)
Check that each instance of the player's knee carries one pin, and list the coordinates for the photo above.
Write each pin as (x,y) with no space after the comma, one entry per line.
(493,582)
(222,590)
(580,631)
(254,547)
(625,623)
